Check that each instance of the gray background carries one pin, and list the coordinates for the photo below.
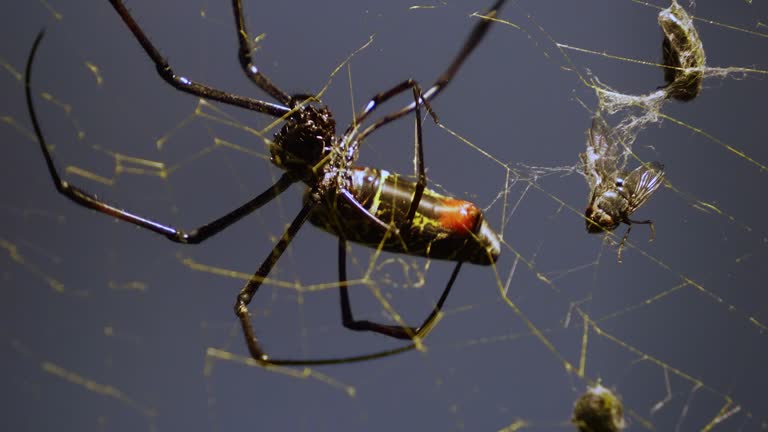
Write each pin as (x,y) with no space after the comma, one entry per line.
(681,313)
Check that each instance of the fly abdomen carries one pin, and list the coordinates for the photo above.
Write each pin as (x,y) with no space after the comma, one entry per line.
(442,228)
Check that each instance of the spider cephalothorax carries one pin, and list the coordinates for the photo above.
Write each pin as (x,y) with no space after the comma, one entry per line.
(307,136)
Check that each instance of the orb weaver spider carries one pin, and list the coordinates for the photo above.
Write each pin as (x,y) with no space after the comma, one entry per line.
(363,205)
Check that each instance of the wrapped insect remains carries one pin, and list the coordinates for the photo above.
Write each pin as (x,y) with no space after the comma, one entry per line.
(598,410)
(683,53)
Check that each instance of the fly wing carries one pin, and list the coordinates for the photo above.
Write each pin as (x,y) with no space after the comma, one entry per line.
(601,156)
(642,182)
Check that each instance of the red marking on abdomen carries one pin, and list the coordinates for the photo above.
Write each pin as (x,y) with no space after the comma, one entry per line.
(458,215)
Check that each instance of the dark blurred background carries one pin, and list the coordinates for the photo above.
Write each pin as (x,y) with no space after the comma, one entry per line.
(106,327)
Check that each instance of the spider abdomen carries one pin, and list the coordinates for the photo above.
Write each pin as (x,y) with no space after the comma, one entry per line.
(442,228)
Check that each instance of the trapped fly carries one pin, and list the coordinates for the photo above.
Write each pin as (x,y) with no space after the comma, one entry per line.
(615,193)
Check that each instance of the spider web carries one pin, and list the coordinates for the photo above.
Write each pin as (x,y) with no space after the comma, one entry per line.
(107,327)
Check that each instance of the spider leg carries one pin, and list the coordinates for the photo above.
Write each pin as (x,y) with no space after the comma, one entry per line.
(244,55)
(395,331)
(382,97)
(419,170)
(477,35)
(421,183)
(250,288)
(347,195)
(90,201)
(474,39)
(185,84)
